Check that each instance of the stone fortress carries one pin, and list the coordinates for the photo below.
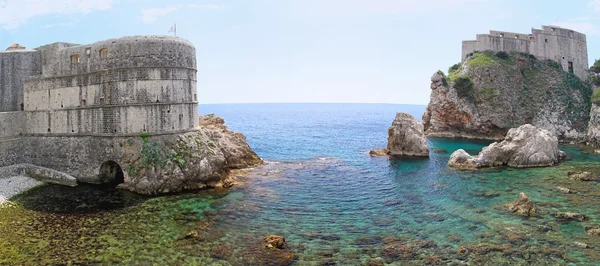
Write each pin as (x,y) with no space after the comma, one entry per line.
(71,107)
(567,47)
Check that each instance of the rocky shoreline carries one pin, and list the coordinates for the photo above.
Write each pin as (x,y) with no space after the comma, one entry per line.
(213,152)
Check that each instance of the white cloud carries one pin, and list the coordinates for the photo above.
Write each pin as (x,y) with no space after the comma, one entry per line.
(595,4)
(150,15)
(585,27)
(207,6)
(377,6)
(63,24)
(15,13)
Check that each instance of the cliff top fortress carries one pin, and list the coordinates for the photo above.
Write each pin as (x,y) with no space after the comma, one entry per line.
(565,46)
(65,106)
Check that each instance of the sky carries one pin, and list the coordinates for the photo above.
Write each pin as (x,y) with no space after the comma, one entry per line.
(262,51)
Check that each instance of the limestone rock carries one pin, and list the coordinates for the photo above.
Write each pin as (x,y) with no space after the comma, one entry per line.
(593,231)
(525,146)
(275,242)
(523,206)
(238,153)
(572,216)
(406,137)
(507,94)
(565,190)
(582,176)
(460,159)
(193,160)
(593,131)
(378,153)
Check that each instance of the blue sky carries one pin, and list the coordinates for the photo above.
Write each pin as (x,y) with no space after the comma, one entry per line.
(376,51)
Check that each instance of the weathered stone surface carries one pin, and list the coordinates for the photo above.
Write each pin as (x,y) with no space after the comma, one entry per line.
(525,146)
(39,173)
(523,206)
(378,153)
(460,159)
(406,137)
(507,93)
(593,131)
(238,153)
(173,163)
(582,176)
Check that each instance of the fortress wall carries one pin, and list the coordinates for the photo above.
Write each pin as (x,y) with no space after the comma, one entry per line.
(495,43)
(14,67)
(11,124)
(11,127)
(554,43)
(127,86)
(12,151)
(80,157)
(129,119)
(125,52)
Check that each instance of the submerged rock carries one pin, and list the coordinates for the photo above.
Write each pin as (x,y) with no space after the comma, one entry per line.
(571,216)
(406,137)
(523,206)
(275,242)
(525,146)
(582,176)
(593,231)
(565,190)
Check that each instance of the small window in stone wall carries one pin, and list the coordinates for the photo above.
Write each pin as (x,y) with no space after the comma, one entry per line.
(75,59)
(104,53)
(83,102)
(195,98)
(546,40)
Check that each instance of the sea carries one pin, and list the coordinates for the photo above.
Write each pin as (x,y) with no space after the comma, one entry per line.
(332,202)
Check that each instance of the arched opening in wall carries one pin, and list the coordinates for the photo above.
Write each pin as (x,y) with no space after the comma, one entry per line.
(111,174)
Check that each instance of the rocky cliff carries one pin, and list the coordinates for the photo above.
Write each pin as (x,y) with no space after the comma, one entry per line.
(491,92)
(173,163)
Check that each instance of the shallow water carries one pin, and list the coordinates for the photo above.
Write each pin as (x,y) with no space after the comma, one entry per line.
(331,201)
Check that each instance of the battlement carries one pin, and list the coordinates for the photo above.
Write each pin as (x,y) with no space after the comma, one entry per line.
(565,46)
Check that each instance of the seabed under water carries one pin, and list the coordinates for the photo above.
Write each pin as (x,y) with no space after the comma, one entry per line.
(371,211)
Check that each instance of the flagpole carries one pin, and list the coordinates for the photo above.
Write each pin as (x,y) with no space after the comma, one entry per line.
(175,31)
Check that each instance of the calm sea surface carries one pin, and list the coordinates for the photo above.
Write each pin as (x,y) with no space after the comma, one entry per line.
(332,202)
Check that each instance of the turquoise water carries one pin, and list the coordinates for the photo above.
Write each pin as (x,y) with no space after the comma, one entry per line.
(332,202)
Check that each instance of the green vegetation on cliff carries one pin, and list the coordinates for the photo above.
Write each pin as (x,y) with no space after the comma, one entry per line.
(506,90)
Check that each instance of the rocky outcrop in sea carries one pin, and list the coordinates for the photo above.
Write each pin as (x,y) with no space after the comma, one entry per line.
(406,137)
(525,146)
(198,159)
(490,93)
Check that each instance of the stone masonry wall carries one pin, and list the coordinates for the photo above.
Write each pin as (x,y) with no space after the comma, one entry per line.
(15,66)
(554,43)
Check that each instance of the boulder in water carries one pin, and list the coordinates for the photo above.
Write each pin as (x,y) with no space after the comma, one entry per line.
(525,146)
(523,206)
(406,137)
